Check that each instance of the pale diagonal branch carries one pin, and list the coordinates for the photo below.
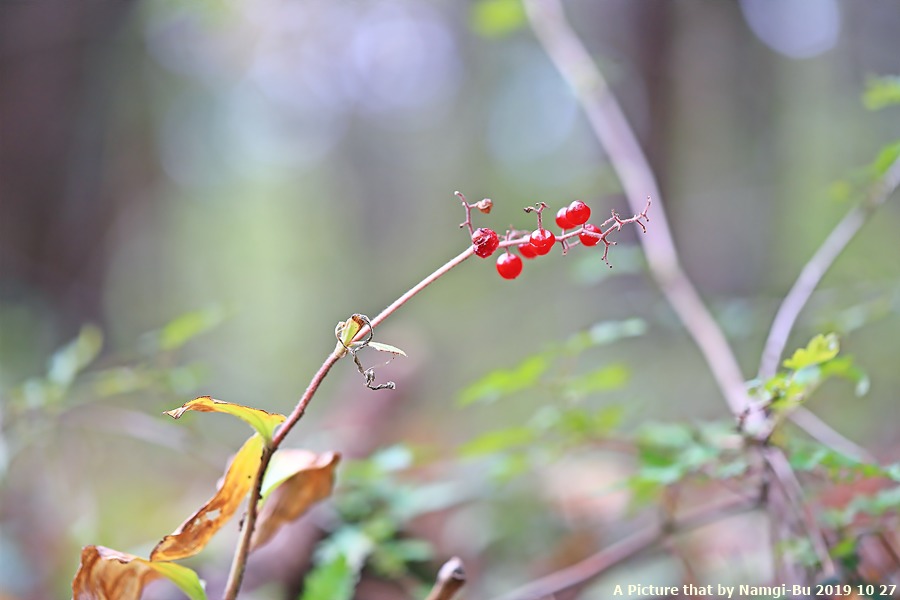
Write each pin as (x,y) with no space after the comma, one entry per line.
(618,139)
(818,265)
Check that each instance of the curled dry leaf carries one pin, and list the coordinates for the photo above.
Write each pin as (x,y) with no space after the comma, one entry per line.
(263,422)
(107,574)
(386,348)
(193,535)
(300,478)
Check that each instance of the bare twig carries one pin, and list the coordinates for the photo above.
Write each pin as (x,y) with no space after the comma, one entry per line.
(611,127)
(635,544)
(818,265)
(239,563)
(625,154)
(449,580)
(793,493)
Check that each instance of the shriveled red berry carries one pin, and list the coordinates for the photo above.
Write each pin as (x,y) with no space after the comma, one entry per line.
(509,265)
(542,240)
(527,250)
(589,240)
(485,241)
(578,213)
(562,219)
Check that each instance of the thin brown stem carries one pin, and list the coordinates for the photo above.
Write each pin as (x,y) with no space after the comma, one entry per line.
(793,492)
(239,562)
(635,544)
(450,580)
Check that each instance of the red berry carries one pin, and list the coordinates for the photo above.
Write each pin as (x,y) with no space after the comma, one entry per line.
(589,240)
(562,219)
(578,212)
(485,241)
(527,250)
(509,265)
(542,240)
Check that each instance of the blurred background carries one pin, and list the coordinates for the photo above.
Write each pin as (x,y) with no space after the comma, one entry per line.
(250,173)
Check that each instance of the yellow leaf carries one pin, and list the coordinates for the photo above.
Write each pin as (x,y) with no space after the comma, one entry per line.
(107,574)
(263,422)
(193,535)
(301,478)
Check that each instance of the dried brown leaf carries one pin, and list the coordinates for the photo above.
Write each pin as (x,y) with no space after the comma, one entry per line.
(306,478)
(107,574)
(193,535)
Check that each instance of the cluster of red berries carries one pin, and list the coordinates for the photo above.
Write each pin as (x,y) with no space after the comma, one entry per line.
(572,217)
(540,242)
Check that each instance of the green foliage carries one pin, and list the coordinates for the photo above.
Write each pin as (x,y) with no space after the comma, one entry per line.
(184,328)
(505,382)
(821,348)
(807,368)
(840,468)
(497,18)
(886,157)
(670,452)
(62,369)
(330,580)
(882,92)
(530,372)
(373,507)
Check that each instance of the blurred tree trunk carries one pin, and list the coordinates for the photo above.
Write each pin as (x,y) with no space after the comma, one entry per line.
(53,214)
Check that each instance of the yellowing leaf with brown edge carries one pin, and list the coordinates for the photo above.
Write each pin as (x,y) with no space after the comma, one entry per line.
(263,422)
(193,535)
(107,574)
(296,479)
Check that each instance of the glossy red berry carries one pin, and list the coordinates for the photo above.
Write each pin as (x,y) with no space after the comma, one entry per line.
(589,240)
(509,265)
(542,240)
(527,250)
(562,219)
(578,213)
(485,241)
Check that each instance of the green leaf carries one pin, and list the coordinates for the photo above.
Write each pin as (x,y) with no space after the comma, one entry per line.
(504,382)
(187,580)
(674,435)
(607,332)
(391,557)
(71,359)
(881,92)
(182,329)
(843,367)
(886,157)
(345,331)
(611,377)
(808,456)
(581,423)
(331,580)
(820,349)
(497,18)
(498,440)
(262,421)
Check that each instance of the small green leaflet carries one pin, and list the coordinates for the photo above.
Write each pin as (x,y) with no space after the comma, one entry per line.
(820,349)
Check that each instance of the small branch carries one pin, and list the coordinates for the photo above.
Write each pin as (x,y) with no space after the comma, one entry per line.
(793,492)
(620,143)
(635,544)
(818,265)
(239,563)
(449,580)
